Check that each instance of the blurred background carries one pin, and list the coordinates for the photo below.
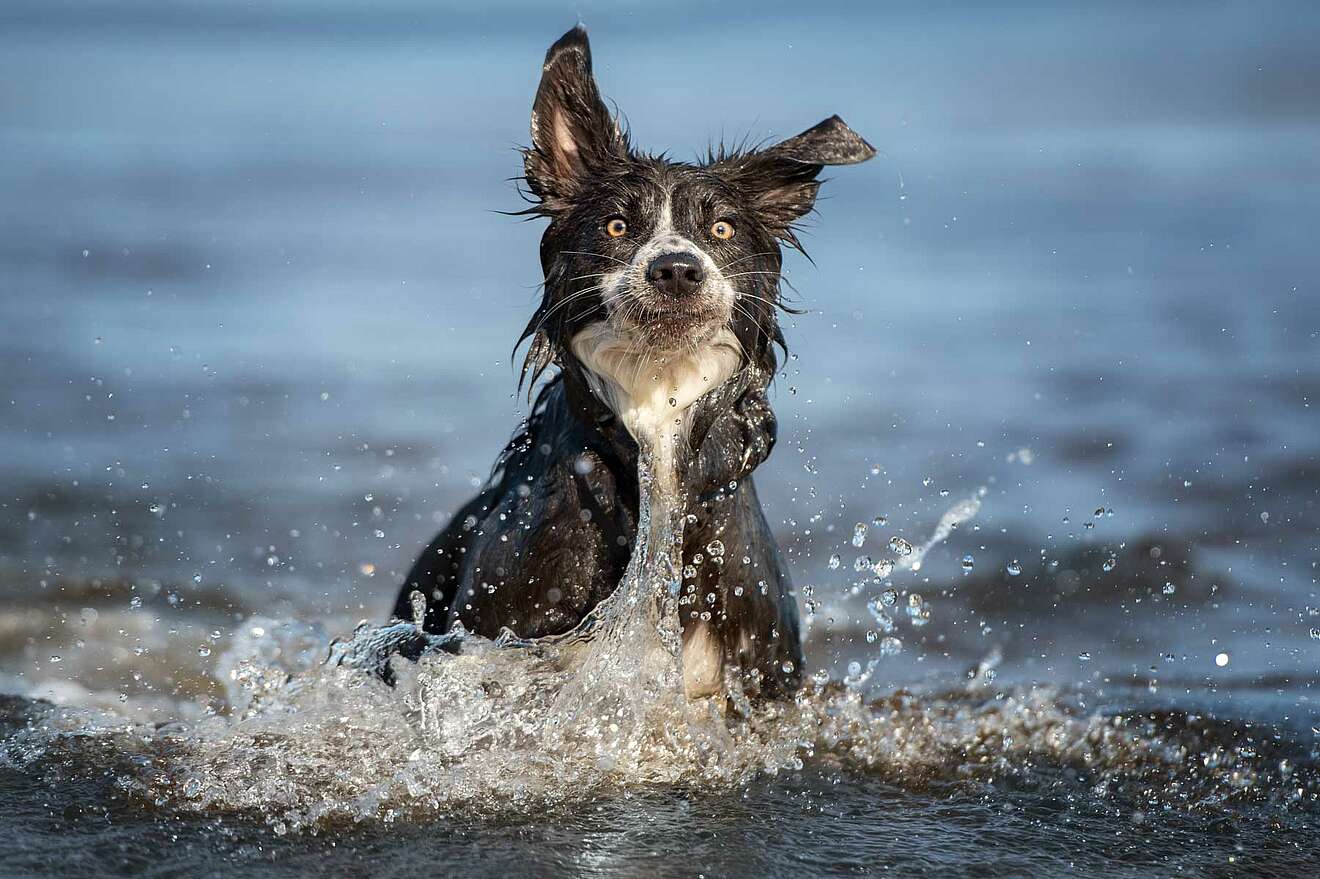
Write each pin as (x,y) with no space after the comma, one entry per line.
(257,308)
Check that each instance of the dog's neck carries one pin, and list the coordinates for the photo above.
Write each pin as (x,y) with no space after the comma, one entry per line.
(647,390)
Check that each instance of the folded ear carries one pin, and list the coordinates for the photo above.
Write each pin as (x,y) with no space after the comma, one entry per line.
(782,178)
(830,142)
(572,131)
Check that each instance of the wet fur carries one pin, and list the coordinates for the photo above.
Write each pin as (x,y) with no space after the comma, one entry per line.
(549,535)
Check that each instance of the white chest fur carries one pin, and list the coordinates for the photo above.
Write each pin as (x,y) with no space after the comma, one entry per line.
(647,389)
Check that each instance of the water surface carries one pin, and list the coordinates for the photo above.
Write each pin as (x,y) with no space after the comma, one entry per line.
(258,306)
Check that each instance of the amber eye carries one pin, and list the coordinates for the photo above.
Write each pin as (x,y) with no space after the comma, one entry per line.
(615,227)
(722,230)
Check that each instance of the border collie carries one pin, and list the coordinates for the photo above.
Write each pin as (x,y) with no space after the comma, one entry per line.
(649,265)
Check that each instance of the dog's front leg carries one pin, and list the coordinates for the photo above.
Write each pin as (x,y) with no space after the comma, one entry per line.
(737,441)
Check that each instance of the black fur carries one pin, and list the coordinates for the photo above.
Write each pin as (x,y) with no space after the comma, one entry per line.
(550,534)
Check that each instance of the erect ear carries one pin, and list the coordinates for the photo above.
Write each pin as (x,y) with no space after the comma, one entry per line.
(572,131)
(782,178)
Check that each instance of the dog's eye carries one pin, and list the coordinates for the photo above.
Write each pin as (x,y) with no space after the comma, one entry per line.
(722,230)
(616,227)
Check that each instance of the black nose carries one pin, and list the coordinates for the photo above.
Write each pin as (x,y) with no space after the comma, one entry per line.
(676,274)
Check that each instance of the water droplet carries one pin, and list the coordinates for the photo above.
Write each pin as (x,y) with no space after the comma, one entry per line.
(862,563)
(1014,568)
(880,521)
(834,562)
(889,597)
(1169,588)
(715,548)
(1315,634)
(1221,660)
(891,646)
(135,602)
(884,568)
(859,534)
(1084,656)
(883,620)
(1110,564)
(788,666)
(872,636)
(918,611)
(55,657)
(204,651)
(900,547)
(417,605)
(968,563)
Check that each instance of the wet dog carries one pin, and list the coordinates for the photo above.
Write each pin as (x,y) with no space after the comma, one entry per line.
(656,272)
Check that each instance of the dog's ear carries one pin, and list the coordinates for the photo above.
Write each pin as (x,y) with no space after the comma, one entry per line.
(572,131)
(782,178)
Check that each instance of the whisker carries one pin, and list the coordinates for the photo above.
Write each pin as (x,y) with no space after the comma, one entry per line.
(541,285)
(760,330)
(745,258)
(742,351)
(563,302)
(589,253)
(583,277)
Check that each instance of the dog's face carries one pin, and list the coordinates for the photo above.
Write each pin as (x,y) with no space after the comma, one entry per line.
(669,254)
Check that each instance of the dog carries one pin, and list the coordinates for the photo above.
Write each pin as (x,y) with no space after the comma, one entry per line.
(648,263)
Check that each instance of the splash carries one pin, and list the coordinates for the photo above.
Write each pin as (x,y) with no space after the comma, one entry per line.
(327,748)
(499,723)
(962,511)
(506,725)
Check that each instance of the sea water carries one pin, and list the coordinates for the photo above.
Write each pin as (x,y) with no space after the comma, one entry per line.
(507,726)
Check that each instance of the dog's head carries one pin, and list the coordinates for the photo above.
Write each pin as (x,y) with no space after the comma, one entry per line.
(669,255)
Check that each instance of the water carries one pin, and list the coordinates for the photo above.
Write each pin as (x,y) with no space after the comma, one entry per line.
(257,308)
